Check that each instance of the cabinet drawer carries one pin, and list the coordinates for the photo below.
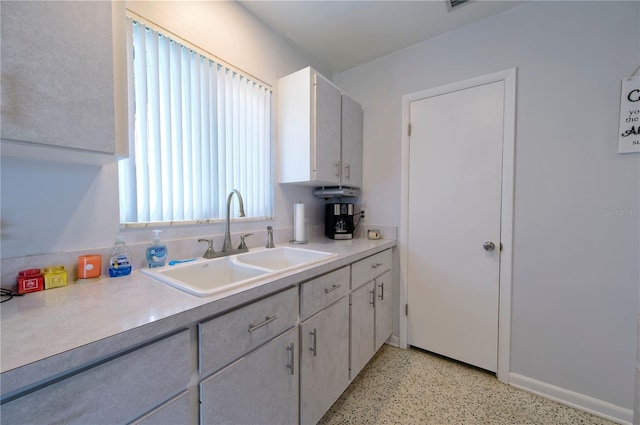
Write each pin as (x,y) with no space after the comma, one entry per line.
(318,293)
(368,268)
(116,391)
(228,337)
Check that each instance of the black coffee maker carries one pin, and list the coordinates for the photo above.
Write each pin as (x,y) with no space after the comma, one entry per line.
(338,222)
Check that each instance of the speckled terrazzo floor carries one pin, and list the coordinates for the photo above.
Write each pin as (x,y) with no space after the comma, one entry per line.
(414,387)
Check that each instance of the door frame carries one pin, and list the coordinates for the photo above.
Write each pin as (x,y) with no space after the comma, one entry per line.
(507,207)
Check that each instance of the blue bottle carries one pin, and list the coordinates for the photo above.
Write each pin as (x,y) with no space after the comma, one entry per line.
(157,252)
(120,260)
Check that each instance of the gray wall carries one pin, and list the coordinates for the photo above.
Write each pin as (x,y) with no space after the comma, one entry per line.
(575,276)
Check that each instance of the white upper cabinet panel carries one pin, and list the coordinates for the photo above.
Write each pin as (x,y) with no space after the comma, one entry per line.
(325,131)
(63,78)
(352,121)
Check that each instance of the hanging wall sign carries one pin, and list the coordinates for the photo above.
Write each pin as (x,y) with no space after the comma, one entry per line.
(629,135)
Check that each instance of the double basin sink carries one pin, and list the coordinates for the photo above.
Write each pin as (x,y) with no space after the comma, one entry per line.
(208,277)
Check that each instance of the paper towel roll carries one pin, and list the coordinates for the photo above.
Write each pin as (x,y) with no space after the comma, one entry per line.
(298,222)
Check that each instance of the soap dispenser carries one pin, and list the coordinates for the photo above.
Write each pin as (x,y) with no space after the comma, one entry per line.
(120,260)
(157,252)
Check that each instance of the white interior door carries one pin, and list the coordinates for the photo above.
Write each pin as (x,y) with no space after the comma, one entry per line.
(454,201)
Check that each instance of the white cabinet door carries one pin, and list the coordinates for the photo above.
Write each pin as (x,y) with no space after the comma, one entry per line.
(352,120)
(64,77)
(324,360)
(384,309)
(362,323)
(259,388)
(326,134)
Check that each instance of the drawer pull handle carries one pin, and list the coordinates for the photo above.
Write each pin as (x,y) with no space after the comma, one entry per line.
(376,265)
(381,296)
(266,321)
(314,349)
(292,355)
(333,288)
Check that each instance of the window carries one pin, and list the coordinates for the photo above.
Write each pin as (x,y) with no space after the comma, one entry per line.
(201,129)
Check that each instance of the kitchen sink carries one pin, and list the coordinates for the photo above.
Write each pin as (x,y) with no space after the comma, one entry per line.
(208,277)
(283,258)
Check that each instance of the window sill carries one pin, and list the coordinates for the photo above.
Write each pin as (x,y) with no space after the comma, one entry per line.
(191,222)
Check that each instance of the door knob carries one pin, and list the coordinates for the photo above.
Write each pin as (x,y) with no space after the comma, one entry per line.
(489,246)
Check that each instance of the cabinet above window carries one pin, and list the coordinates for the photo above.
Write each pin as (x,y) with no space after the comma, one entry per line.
(64,81)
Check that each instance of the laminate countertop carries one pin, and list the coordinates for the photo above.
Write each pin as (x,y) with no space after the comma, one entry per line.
(62,328)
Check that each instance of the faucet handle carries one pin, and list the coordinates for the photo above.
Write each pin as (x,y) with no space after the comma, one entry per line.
(242,244)
(209,253)
(270,237)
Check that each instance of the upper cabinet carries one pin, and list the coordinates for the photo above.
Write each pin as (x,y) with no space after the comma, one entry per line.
(351,161)
(64,80)
(319,132)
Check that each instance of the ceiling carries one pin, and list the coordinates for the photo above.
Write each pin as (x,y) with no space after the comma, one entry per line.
(342,34)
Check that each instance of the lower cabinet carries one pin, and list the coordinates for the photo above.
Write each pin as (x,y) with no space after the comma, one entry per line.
(324,360)
(362,327)
(371,308)
(115,391)
(259,388)
(384,309)
(283,359)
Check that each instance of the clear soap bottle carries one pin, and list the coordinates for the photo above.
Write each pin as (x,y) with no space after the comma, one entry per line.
(120,260)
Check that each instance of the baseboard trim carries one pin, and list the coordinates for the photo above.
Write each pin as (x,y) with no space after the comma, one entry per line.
(579,401)
(393,340)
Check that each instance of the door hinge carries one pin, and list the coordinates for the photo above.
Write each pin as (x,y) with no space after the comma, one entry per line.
(409,129)
(406,309)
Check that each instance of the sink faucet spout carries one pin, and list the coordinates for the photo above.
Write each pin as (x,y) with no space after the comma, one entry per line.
(227,247)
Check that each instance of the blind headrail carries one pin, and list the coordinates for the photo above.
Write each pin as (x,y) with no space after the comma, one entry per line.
(195,48)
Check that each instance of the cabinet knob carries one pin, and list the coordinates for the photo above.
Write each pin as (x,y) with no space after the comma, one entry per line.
(489,246)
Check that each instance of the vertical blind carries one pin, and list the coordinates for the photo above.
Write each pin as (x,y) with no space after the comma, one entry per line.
(201,129)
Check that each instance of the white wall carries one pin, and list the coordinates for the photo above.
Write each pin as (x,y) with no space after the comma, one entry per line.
(575,276)
(49,208)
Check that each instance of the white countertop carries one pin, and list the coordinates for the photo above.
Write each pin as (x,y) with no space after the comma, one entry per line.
(44,324)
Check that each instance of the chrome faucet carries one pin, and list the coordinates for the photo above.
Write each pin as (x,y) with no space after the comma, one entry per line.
(227,247)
